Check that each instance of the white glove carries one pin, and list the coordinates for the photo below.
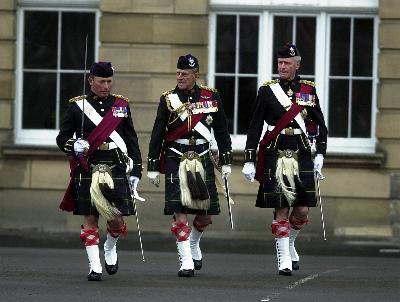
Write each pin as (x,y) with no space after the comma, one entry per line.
(226,171)
(249,171)
(318,164)
(133,182)
(81,146)
(154,177)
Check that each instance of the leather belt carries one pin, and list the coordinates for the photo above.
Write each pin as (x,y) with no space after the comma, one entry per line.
(287,131)
(108,146)
(191,142)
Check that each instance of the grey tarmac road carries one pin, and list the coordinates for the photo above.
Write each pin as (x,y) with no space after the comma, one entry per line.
(59,274)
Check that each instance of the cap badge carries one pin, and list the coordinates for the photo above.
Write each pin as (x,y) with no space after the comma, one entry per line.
(292,51)
(191,62)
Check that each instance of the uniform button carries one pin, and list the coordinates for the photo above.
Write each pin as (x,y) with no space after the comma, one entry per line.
(102,109)
(100,102)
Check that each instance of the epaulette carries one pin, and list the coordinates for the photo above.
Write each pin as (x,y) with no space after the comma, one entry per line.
(168,92)
(121,97)
(267,83)
(307,82)
(208,88)
(77,98)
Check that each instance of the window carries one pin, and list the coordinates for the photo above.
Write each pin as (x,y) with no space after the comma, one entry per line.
(236,67)
(50,69)
(351,77)
(339,53)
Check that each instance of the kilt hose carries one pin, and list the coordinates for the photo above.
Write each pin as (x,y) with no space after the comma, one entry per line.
(172,184)
(269,193)
(82,181)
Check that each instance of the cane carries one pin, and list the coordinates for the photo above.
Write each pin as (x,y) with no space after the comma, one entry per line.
(229,202)
(137,221)
(320,206)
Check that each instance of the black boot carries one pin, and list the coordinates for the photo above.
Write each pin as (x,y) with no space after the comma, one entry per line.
(186,273)
(197,264)
(111,269)
(285,272)
(93,276)
(295,265)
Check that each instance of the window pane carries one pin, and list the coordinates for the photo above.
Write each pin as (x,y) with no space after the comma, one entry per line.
(39,97)
(75,27)
(340,46)
(247,95)
(363,47)
(338,108)
(40,40)
(361,108)
(305,42)
(226,89)
(248,41)
(226,44)
(71,86)
(283,33)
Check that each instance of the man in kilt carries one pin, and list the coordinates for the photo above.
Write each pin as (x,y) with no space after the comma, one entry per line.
(103,150)
(285,168)
(180,148)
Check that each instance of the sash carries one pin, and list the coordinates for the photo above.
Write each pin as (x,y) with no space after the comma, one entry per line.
(196,118)
(183,129)
(103,130)
(292,111)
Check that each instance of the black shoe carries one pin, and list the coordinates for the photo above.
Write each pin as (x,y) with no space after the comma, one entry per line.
(186,273)
(111,269)
(197,264)
(93,276)
(295,265)
(285,272)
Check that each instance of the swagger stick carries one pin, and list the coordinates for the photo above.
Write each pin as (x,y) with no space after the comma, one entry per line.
(137,220)
(320,205)
(84,87)
(229,203)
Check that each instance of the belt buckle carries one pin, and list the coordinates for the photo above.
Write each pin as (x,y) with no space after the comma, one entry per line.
(289,131)
(192,141)
(104,146)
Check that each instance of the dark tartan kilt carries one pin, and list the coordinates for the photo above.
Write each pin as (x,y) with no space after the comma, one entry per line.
(269,196)
(83,179)
(172,187)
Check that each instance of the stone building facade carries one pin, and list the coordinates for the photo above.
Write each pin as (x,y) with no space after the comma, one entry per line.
(143,40)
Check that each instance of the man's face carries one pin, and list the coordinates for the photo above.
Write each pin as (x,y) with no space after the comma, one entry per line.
(287,68)
(101,86)
(186,78)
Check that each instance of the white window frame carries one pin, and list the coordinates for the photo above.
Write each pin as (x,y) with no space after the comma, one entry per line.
(44,137)
(323,10)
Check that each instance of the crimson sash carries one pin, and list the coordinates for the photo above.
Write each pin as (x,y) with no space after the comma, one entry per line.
(103,130)
(268,136)
(183,129)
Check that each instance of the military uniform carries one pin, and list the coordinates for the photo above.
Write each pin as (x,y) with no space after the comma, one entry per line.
(267,108)
(107,153)
(167,121)
(285,167)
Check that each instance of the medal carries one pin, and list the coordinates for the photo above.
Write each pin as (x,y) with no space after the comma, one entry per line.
(289,92)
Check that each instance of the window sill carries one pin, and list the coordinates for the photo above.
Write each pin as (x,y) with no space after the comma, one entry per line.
(336,160)
(31,152)
(339,160)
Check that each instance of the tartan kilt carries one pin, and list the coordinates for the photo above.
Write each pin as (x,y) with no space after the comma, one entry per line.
(172,187)
(269,195)
(83,179)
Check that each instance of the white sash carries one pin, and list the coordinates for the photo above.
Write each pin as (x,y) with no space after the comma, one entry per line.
(95,117)
(287,103)
(200,128)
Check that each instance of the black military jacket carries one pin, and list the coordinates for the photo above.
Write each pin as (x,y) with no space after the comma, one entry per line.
(168,121)
(267,108)
(72,124)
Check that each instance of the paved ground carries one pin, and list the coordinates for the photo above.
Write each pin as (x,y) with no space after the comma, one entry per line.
(240,271)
